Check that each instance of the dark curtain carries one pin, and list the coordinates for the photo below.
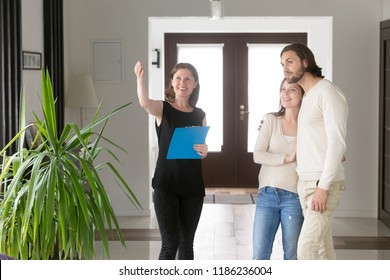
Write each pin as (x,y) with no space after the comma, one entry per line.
(10,71)
(54,53)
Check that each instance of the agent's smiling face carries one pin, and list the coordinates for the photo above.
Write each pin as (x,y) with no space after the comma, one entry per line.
(183,83)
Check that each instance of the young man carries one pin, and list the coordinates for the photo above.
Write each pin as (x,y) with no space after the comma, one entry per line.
(321,145)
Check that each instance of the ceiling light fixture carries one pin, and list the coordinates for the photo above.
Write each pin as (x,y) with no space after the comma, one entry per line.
(215,9)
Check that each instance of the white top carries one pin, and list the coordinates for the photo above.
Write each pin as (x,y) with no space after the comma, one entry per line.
(322,129)
(270,151)
(289,138)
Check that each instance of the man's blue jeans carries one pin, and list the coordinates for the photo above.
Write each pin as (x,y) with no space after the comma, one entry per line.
(276,206)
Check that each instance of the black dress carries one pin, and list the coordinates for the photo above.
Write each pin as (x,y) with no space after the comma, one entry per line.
(180,176)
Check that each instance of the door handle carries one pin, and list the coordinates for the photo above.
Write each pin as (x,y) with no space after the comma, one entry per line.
(243,112)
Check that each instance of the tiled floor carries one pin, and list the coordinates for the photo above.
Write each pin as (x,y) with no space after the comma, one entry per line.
(225,233)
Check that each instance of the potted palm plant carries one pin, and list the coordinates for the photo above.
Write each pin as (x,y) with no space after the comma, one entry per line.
(53,199)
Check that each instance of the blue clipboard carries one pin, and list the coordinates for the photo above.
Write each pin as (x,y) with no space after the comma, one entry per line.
(183,140)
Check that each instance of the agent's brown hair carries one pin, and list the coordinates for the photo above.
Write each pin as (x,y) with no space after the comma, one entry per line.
(169,91)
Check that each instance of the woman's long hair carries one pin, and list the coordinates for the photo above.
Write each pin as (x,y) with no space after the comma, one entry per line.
(169,91)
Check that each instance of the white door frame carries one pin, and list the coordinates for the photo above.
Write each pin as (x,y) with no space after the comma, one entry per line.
(319,38)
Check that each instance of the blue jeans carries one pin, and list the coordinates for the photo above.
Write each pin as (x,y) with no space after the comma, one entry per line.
(276,206)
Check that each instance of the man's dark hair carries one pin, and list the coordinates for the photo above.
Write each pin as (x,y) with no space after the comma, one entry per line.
(304,53)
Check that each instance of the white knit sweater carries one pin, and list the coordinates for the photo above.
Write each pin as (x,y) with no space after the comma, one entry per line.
(321,138)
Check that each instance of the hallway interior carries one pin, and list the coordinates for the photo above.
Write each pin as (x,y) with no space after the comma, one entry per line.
(225,233)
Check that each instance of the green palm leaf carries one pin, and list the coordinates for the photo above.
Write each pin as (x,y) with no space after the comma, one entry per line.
(54,199)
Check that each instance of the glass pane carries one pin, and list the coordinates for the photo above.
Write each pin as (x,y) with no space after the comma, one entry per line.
(264,77)
(211,81)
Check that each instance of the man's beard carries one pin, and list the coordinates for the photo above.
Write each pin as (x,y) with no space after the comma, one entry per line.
(297,77)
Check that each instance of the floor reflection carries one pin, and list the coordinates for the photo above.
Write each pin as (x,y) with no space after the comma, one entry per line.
(225,233)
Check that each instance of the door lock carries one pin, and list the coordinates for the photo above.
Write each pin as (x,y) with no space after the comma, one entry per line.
(243,112)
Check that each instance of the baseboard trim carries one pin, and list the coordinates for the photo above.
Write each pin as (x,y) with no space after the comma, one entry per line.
(362,242)
(132,235)
(340,242)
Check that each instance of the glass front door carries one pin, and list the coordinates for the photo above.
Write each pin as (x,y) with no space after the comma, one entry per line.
(239,77)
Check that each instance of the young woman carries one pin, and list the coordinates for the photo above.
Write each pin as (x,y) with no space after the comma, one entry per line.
(178,183)
(277,201)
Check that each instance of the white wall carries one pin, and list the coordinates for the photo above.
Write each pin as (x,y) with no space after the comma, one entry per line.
(386,9)
(355,70)
(32,40)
